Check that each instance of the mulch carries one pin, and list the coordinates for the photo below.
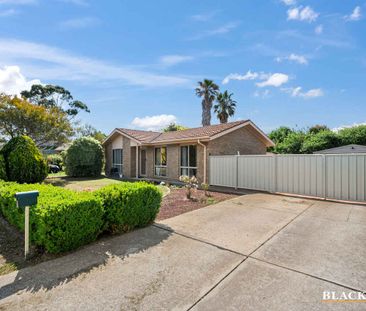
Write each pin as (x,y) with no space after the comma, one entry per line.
(176,202)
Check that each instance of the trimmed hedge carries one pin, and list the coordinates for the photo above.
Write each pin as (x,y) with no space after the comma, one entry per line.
(2,168)
(62,220)
(84,158)
(24,161)
(129,205)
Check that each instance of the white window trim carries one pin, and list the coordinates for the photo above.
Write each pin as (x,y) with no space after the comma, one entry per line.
(187,167)
(161,166)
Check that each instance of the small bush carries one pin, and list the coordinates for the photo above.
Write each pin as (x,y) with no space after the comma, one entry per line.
(84,158)
(129,205)
(62,220)
(2,168)
(24,161)
(55,159)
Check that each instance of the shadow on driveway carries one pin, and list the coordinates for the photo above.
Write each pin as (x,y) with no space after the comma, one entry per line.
(50,274)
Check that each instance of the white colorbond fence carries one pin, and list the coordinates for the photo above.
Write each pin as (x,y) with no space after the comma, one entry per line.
(341,177)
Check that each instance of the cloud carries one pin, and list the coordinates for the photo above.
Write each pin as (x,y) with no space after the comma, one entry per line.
(355,15)
(154,123)
(171,60)
(204,17)
(297,92)
(319,29)
(12,81)
(9,12)
(235,76)
(289,2)
(50,63)
(78,23)
(337,129)
(217,31)
(302,14)
(264,94)
(276,80)
(300,59)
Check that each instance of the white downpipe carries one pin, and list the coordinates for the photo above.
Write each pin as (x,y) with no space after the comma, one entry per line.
(204,161)
(137,161)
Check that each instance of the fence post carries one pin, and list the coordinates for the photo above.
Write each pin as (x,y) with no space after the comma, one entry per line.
(325,184)
(236,171)
(274,188)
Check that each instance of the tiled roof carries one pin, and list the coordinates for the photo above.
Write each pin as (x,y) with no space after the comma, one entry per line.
(142,136)
(194,133)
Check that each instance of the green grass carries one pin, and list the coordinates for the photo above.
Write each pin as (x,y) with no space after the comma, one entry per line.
(7,268)
(87,184)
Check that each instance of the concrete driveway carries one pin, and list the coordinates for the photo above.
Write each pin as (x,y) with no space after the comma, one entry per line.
(255,252)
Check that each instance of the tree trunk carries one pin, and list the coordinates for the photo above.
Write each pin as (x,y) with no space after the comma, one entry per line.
(206,112)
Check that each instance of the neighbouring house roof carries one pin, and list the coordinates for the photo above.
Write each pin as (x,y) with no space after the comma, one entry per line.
(204,133)
(344,149)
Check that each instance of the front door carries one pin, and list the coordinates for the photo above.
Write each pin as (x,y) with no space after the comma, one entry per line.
(143,163)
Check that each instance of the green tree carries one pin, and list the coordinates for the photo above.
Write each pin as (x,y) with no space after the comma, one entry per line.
(84,158)
(24,162)
(278,135)
(318,128)
(54,96)
(89,131)
(353,135)
(207,90)
(292,143)
(173,127)
(323,139)
(225,106)
(44,125)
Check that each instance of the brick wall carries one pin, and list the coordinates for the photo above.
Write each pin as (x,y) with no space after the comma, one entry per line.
(244,140)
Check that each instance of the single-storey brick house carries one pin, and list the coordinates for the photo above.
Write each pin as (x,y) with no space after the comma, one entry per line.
(166,156)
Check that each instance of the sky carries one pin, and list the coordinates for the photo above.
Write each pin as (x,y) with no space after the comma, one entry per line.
(136,63)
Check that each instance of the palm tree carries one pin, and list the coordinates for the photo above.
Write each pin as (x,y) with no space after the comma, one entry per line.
(225,106)
(208,91)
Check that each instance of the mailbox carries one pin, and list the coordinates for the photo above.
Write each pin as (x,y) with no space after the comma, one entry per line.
(26,198)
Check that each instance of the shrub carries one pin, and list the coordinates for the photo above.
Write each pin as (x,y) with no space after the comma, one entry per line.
(129,205)
(62,220)
(55,159)
(189,183)
(323,139)
(24,161)
(353,135)
(2,168)
(84,158)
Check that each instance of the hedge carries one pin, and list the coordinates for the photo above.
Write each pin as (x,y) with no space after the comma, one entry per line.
(62,220)
(2,168)
(129,205)
(24,161)
(84,158)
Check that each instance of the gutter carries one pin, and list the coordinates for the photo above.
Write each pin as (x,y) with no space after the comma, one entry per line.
(204,162)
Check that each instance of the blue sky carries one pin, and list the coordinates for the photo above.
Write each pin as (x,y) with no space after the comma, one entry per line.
(136,63)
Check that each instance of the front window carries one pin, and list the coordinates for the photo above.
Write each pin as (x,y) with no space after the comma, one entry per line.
(117,161)
(160,161)
(188,160)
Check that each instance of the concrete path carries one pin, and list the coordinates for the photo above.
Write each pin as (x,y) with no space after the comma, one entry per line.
(255,252)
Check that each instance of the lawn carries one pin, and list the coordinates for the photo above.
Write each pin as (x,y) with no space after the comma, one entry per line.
(87,183)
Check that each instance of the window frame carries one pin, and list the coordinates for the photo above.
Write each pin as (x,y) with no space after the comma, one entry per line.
(181,167)
(160,166)
(119,166)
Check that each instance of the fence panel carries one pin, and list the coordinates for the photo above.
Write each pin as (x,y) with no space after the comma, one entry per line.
(300,174)
(256,172)
(223,171)
(341,177)
(346,176)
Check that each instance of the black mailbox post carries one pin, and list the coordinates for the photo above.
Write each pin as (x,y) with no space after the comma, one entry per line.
(25,200)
